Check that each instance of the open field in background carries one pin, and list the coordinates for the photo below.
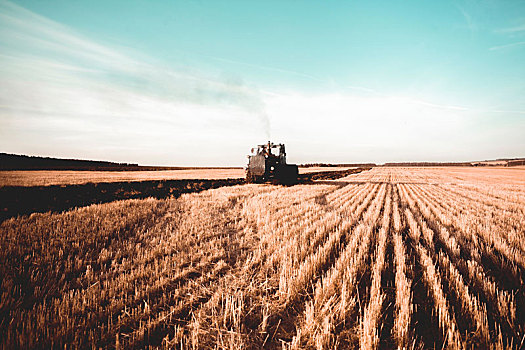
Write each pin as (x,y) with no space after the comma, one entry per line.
(391,257)
(319,169)
(78,177)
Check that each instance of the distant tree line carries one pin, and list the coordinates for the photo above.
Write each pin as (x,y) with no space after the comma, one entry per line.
(504,162)
(420,164)
(21,162)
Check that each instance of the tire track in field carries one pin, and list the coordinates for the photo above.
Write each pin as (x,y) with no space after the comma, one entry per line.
(293,305)
(426,324)
(232,276)
(475,189)
(460,298)
(319,301)
(205,286)
(495,302)
(489,200)
(170,290)
(497,252)
(468,260)
(468,239)
(139,272)
(278,321)
(370,326)
(289,239)
(500,218)
(402,331)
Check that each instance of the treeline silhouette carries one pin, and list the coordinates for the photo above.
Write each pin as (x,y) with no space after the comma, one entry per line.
(21,162)
(419,164)
(503,162)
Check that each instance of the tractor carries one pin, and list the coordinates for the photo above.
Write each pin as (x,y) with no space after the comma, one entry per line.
(267,163)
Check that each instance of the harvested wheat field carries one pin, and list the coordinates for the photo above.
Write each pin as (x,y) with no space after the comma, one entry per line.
(78,177)
(28,178)
(388,258)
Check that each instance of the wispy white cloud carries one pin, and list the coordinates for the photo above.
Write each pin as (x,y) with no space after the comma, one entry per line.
(520,28)
(471,24)
(504,111)
(44,46)
(311,77)
(23,31)
(62,84)
(266,68)
(436,105)
(507,46)
(360,88)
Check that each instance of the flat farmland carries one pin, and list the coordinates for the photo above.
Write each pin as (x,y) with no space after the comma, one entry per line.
(386,258)
(320,169)
(30,178)
(78,177)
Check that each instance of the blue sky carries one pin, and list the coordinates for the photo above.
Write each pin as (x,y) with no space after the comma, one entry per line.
(201,82)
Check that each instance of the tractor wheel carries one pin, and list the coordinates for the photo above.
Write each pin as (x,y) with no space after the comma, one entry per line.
(253,179)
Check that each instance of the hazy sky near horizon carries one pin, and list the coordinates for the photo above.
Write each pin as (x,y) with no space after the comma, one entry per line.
(201,82)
